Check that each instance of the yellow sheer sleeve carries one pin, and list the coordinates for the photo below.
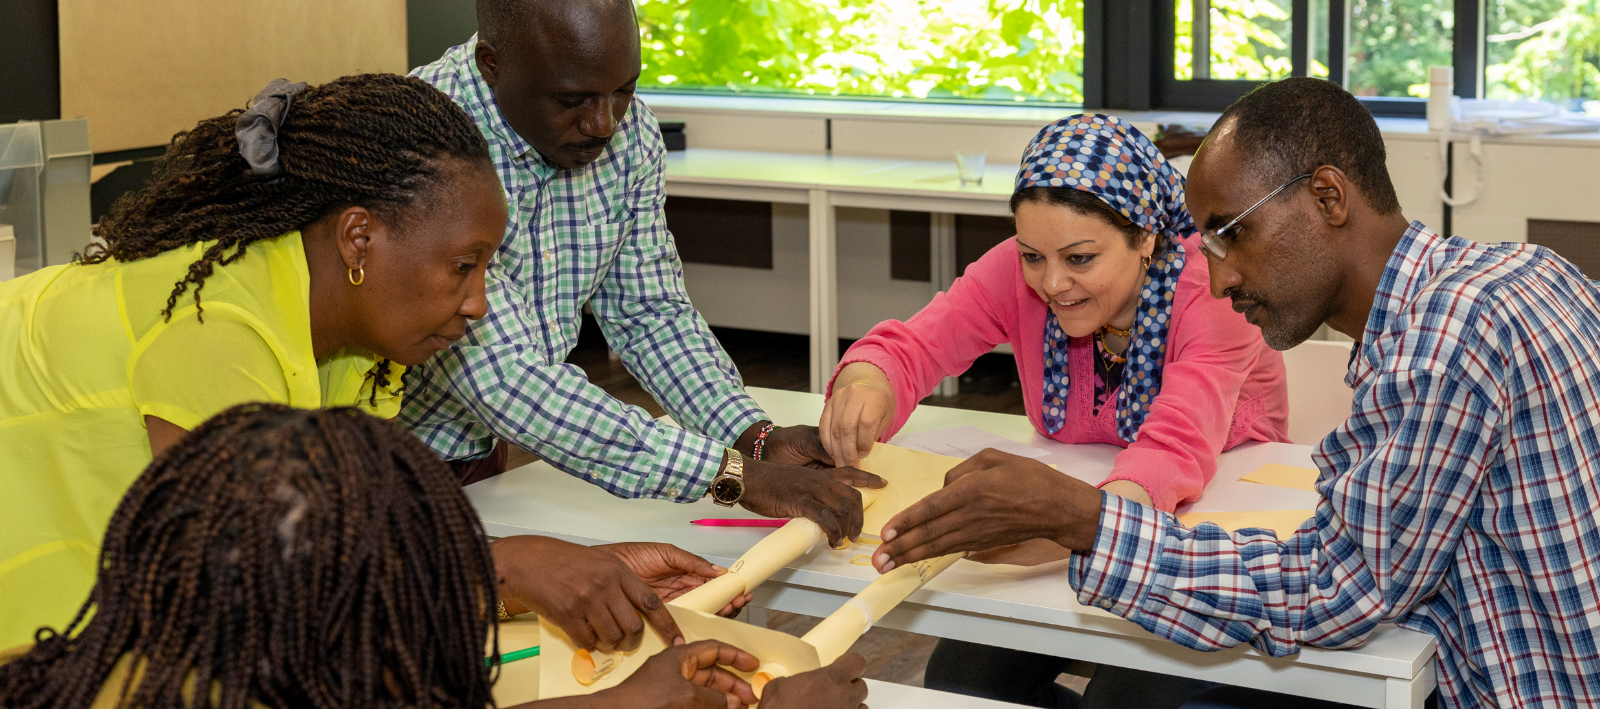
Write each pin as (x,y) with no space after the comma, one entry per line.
(193,370)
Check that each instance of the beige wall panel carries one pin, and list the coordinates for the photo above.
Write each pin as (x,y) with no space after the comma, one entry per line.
(1523,182)
(142,70)
(929,140)
(749,131)
(1414,170)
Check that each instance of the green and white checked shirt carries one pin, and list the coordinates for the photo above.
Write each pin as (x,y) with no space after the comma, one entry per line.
(595,235)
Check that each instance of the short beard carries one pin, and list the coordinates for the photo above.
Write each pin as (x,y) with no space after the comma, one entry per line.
(1286,333)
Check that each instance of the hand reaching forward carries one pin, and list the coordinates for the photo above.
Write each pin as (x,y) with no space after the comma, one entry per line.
(992,499)
(670,571)
(827,497)
(858,412)
(588,592)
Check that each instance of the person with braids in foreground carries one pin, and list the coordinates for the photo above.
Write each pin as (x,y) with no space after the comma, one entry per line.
(291,558)
(301,252)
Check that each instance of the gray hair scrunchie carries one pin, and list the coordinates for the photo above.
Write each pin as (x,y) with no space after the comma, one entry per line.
(257,128)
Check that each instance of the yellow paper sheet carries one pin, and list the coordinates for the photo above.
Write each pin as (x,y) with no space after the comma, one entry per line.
(1284,522)
(1289,476)
(519,681)
(912,475)
(775,551)
(771,646)
(836,633)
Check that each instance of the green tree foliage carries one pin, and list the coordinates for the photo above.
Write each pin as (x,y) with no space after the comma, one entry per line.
(1546,49)
(1017,50)
(1032,50)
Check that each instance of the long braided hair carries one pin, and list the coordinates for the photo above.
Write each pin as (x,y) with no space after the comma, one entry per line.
(291,557)
(378,141)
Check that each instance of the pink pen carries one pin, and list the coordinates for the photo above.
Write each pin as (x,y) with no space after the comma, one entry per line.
(724,522)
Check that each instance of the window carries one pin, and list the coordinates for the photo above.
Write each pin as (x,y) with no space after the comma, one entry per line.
(1233,40)
(1544,49)
(997,50)
(1392,44)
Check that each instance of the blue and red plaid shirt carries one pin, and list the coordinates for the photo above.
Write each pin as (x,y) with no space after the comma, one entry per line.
(1459,498)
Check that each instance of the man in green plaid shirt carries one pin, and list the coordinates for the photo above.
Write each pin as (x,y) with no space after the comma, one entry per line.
(581,158)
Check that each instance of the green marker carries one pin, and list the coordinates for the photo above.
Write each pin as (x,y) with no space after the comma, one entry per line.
(514,655)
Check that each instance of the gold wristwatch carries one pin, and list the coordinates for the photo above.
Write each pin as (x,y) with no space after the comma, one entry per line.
(728,487)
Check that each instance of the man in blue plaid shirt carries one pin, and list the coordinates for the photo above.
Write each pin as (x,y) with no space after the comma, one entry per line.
(1458,499)
(551,84)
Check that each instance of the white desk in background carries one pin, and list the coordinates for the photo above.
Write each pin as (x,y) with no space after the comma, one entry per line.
(1024,608)
(826,182)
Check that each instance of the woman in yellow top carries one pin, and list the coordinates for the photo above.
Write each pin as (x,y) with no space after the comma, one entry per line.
(291,253)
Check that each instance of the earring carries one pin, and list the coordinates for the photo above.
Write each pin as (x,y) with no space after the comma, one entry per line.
(1145,263)
(357,275)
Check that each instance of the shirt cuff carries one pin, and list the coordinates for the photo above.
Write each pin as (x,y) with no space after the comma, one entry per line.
(1119,571)
(688,471)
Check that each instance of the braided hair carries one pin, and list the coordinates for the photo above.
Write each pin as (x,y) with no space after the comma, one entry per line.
(287,557)
(378,141)
(373,140)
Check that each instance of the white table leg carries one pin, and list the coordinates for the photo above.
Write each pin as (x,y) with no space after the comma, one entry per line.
(1413,694)
(942,248)
(824,288)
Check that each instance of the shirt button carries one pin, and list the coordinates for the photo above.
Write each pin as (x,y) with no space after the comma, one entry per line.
(1107,604)
(549,255)
(675,492)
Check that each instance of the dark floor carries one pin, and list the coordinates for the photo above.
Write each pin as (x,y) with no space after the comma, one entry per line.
(780,362)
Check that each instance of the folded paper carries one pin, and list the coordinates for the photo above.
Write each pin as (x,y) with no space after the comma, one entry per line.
(777,550)
(519,681)
(911,475)
(1290,476)
(1284,522)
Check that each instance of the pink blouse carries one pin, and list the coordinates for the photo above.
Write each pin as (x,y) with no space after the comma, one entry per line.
(1221,384)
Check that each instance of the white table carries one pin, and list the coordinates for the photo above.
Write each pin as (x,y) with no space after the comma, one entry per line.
(826,182)
(1024,608)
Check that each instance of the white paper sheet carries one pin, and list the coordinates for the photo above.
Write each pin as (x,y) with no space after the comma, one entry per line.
(965,442)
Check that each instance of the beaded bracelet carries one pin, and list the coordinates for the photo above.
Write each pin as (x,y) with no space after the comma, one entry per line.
(761,439)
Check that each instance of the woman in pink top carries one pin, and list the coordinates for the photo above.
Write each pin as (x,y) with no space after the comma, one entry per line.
(1116,335)
(1106,306)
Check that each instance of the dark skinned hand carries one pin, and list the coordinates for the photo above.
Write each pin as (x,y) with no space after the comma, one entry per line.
(670,571)
(992,499)
(827,497)
(588,592)
(837,686)
(796,445)
(688,677)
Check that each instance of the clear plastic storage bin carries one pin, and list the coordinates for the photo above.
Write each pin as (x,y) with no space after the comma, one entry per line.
(21,162)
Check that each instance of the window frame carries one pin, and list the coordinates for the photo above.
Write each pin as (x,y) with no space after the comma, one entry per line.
(1113,29)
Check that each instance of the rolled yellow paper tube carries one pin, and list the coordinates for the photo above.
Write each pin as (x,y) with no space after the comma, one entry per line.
(836,633)
(779,549)
(769,671)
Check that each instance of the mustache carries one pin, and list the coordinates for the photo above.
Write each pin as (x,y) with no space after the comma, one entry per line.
(1236,296)
(591,144)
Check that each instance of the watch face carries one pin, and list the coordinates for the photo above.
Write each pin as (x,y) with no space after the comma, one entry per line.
(727,489)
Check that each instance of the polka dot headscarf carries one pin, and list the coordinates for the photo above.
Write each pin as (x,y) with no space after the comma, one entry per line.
(1112,160)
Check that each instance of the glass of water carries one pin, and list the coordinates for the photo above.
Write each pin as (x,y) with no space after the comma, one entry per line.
(969,166)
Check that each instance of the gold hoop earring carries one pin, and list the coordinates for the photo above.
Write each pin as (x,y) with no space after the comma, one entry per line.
(354,279)
(1145,263)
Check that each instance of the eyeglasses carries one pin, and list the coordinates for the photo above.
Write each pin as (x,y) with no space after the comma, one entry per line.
(1216,241)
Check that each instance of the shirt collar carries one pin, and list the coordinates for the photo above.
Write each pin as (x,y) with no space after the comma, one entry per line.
(486,110)
(1402,275)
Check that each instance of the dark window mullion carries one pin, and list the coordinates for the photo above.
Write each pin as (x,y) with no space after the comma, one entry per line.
(1338,44)
(1467,55)
(1300,37)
